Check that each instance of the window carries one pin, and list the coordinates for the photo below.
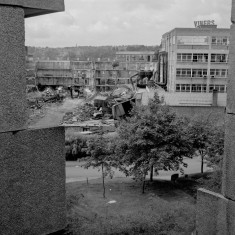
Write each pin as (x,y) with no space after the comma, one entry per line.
(184,57)
(182,87)
(198,88)
(219,88)
(203,88)
(177,87)
(194,88)
(190,88)
(219,40)
(183,72)
(219,58)
(218,73)
(192,40)
(199,73)
(223,73)
(185,88)
(201,58)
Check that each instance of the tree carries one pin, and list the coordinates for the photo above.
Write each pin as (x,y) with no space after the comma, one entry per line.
(153,137)
(99,152)
(52,53)
(216,147)
(206,140)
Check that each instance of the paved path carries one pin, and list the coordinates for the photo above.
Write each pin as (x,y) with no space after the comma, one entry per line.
(74,171)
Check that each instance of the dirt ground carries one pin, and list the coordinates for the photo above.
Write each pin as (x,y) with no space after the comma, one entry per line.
(52,114)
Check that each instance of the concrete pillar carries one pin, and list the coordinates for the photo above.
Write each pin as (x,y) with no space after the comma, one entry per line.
(216,212)
(228,182)
(32,162)
(13,114)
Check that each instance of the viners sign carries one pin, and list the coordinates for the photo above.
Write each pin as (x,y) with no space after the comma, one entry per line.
(204,22)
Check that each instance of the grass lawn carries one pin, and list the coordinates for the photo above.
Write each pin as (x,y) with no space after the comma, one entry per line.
(165,208)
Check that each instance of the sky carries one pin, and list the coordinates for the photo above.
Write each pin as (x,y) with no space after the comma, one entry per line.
(121,22)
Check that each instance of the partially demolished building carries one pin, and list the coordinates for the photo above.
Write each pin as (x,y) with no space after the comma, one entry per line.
(98,75)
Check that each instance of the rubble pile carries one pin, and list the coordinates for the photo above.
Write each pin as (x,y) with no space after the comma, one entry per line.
(34,97)
(83,113)
(123,93)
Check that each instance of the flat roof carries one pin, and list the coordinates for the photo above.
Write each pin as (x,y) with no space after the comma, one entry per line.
(135,53)
(197,30)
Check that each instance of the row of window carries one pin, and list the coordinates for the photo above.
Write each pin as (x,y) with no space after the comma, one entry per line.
(198,73)
(199,88)
(202,58)
(187,57)
(220,40)
(202,40)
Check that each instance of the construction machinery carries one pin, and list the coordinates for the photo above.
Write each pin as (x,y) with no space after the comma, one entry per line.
(140,76)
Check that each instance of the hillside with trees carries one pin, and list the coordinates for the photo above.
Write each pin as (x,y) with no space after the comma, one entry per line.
(84,52)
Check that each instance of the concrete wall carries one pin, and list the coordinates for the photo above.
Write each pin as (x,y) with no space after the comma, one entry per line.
(13,114)
(32,162)
(32,181)
(216,212)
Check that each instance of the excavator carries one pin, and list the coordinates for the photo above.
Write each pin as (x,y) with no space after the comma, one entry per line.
(140,77)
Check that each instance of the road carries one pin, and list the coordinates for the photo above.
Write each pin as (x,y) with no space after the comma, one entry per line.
(54,114)
(74,171)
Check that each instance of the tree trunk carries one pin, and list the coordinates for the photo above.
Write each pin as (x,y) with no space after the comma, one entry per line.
(151,174)
(103,180)
(143,186)
(202,164)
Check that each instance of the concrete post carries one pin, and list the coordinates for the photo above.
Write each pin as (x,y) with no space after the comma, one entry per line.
(215,212)
(13,114)
(32,162)
(228,183)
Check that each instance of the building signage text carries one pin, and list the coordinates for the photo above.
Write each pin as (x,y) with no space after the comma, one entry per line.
(204,22)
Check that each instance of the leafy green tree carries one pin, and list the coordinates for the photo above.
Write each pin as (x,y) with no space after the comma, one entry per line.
(51,53)
(99,152)
(207,140)
(153,137)
(216,147)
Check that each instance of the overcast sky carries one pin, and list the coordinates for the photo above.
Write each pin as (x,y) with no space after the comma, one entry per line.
(121,22)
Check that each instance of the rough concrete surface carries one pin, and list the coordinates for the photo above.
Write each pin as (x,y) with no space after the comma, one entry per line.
(228,182)
(36,7)
(215,214)
(13,104)
(32,181)
(231,73)
(211,213)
